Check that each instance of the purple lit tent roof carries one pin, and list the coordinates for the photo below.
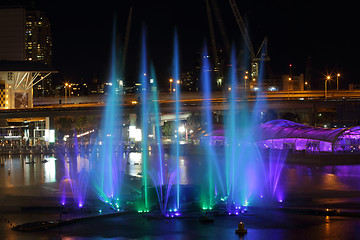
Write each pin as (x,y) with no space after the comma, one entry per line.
(279,129)
(282,129)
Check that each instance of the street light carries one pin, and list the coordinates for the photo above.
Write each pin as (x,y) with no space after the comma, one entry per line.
(246,77)
(289,87)
(66,84)
(177,86)
(69,90)
(328,78)
(306,87)
(337,81)
(171,81)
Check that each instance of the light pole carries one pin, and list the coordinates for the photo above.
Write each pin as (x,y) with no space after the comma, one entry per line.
(66,84)
(328,78)
(69,93)
(337,81)
(171,81)
(289,87)
(177,85)
(246,78)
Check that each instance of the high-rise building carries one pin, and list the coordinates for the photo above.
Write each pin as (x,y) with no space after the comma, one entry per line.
(38,46)
(189,81)
(25,36)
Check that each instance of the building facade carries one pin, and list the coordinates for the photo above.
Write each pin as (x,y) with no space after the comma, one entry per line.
(12,34)
(17,81)
(26,36)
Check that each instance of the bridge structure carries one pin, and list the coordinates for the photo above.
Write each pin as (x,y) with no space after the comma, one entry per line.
(297,101)
(345,105)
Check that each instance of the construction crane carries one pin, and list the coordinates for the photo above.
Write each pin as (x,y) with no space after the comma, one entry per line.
(218,62)
(212,34)
(261,54)
(221,27)
(126,43)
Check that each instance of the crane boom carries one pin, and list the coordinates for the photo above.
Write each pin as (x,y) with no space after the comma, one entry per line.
(242,27)
(221,26)
(212,34)
(127,35)
(261,54)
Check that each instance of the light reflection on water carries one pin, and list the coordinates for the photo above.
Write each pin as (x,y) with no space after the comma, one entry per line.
(320,178)
(184,178)
(29,170)
(50,170)
(134,164)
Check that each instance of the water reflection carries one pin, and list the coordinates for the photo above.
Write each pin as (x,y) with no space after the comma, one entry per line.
(50,170)
(332,182)
(134,164)
(83,164)
(310,180)
(184,178)
(26,170)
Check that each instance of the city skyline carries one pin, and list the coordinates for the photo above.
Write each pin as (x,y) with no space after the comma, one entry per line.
(295,32)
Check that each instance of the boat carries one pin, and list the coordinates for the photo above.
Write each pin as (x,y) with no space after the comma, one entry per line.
(241,229)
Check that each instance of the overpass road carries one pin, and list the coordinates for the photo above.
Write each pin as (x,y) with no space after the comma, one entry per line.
(77,106)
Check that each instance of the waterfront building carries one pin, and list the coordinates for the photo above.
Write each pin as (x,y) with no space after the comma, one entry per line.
(25,36)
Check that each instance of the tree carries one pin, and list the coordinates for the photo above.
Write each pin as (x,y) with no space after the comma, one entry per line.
(65,125)
(194,120)
(167,129)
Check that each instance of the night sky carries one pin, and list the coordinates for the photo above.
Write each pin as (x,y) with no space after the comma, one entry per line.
(295,29)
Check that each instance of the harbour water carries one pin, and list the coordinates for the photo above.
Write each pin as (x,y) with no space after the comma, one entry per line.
(34,182)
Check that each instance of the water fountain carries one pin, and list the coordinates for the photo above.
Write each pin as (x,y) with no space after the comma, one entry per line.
(272,171)
(76,174)
(248,172)
(237,183)
(109,162)
(157,179)
(213,176)
(161,178)
(176,150)
(144,119)
(234,178)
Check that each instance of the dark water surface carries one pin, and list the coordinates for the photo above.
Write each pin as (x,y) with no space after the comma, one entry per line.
(32,182)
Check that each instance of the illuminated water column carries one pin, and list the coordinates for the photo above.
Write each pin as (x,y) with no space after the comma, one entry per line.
(230,133)
(176,151)
(243,161)
(76,174)
(208,192)
(157,164)
(109,163)
(144,80)
(273,170)
(270,164)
